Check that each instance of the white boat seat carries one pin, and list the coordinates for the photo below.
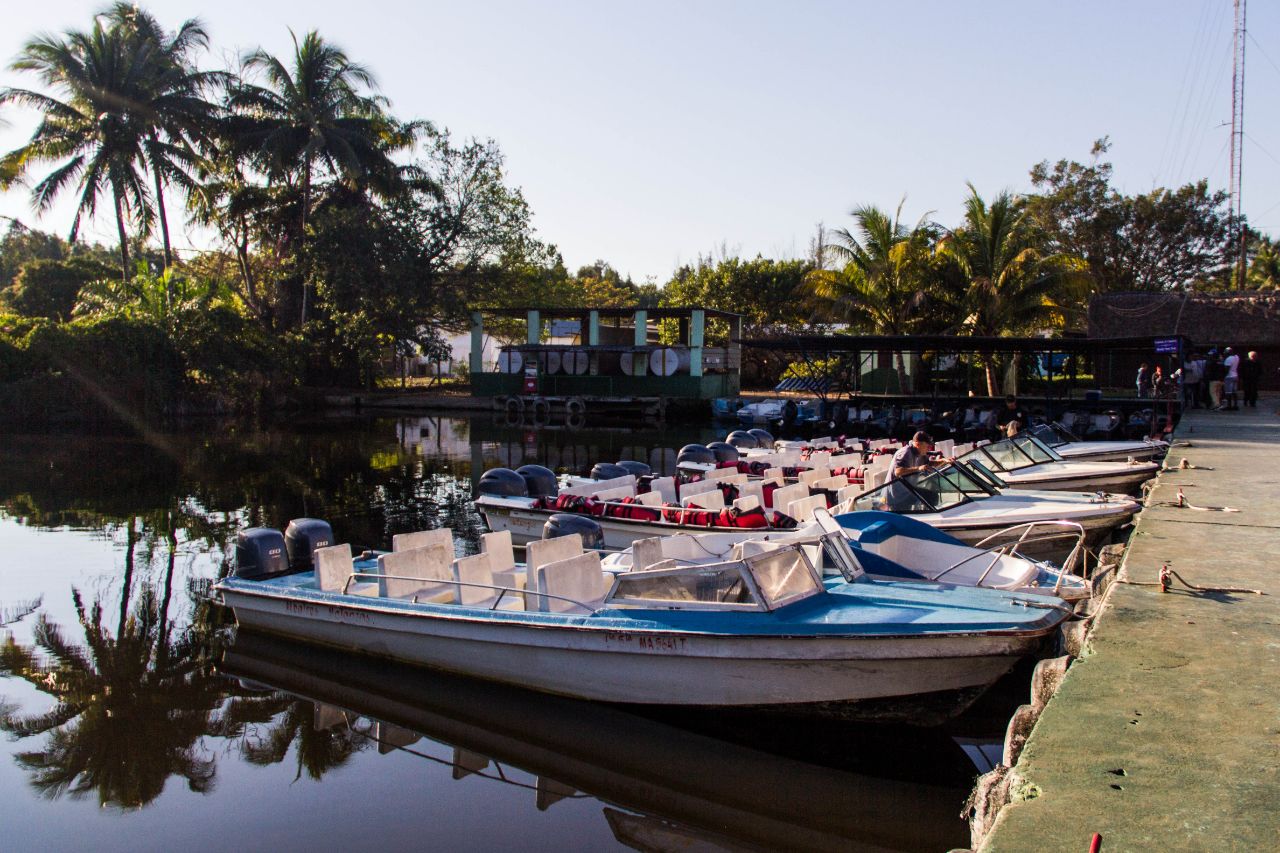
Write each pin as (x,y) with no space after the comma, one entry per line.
(697,488)
(497,545)
(787,494)
(831,483)
(419,573)
(591,487)
(749,502)
(721,473)
(578,578)
(615,494)
(877,478)
(539,552)
(773,475)
(802,510)
(645,552)
(713,499)
(421,538)
(849,492)
(753,489)
(752,547)
(476,570)
(649,499)
(845,460)
(819,459)
(665,487)
(699,547)
(334,566)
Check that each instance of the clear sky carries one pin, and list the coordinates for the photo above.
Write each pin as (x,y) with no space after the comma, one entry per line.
(646,134)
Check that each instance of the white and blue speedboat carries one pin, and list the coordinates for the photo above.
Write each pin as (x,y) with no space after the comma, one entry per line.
(761,630)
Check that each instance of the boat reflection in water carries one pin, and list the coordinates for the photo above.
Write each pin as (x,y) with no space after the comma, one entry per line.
(722,781)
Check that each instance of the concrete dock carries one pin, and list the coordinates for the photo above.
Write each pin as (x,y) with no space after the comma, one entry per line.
(1165,734)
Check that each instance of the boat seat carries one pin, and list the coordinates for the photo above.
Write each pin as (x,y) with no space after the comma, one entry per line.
(877,478)
(592,486)
(744,504)
(334,565)
(615,494)
(649,499)
(802,510)
(697,488)
(752,547)
(476,570)
(699,547)
(497,545)
(820,459)
(773,475)
(849,492)
(721,473)
(845,460)
(578,578)
(665,487)
(422,574)
(645,552)
(539,552)
(712,499)
(421,538)
(753,489)
(831,483)
(784,496)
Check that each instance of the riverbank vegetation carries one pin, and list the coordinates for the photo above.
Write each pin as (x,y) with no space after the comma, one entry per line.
(341,235)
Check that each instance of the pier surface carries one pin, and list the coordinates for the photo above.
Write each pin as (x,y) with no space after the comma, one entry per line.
(1165,735)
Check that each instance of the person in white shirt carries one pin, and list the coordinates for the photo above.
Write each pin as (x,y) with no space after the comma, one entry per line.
(1232,364)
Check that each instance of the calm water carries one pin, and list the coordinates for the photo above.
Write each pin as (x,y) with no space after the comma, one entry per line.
(133,721)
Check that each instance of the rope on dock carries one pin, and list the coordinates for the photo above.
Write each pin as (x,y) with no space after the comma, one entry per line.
(1168,576)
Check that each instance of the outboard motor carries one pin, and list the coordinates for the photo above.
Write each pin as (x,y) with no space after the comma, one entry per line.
(763,437)
(607,471)
(503,483)
(260,554)
(302,537)
(740,438)
(698,453)
(540,482)
(639,469)
(724,451)
(565,524)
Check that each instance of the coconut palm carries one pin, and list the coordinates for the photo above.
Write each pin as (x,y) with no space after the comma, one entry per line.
(883,286)
(87,128)
(312,120)
(170,105)
(1002,281)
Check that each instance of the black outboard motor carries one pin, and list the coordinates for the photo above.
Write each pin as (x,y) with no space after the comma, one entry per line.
(698,453)
(540,482)
(607,471)
(639,469)
(260,554)
(763,437)
(503,483)
(724,451)
(742,439)
(565,524)
(302,537)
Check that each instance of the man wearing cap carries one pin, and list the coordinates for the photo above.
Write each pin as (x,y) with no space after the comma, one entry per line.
(913,457)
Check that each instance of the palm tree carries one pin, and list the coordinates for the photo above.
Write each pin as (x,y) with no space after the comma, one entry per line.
(170,105)
(87,128)
(883,286)
(1002,280)
(312,119)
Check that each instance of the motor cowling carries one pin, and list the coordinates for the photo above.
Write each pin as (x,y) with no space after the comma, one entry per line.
(260,554)
(503,483)
(639,469)
(724,451)
(565,524)
(302,537)
(698,453)
(762,436)
(539,482)
(607,471)
(742,440)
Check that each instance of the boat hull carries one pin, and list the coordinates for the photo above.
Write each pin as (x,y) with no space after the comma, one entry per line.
(637,666)
(526,526)
(1125,482)
(1144,452)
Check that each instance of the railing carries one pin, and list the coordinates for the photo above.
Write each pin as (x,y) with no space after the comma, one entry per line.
(501,590)
(1059,530)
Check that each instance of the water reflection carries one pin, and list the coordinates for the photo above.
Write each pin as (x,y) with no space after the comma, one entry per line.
(659,785)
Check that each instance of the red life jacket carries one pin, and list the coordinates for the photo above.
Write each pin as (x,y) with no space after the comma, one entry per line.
(752,518)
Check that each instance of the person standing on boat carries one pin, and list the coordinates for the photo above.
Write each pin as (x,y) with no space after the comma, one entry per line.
(915,457)
(1250,374)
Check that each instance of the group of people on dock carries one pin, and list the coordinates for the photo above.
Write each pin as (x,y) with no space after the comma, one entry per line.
(1206,380)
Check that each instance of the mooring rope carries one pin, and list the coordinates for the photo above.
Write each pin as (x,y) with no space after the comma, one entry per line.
(1168,576)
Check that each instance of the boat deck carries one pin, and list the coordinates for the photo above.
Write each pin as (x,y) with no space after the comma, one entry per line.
(1165,735)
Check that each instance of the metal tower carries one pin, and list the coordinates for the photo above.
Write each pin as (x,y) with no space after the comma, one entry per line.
(1238,234)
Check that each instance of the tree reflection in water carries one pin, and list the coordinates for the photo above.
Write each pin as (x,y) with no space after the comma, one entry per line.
(321,736)
(130,709)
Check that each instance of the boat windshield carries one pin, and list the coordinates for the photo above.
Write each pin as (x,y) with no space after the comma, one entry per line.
(934,490)
(1053,435)
(1035,448)
(762,582)
(1010,454)
(983,474)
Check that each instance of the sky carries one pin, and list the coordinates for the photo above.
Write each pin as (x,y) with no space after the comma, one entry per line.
(650,134)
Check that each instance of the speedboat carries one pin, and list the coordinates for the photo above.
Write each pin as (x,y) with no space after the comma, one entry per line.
(972,506)
(774,410)
(761,631)
(1026,462)
(1073,448)
(726,408)
(891,546)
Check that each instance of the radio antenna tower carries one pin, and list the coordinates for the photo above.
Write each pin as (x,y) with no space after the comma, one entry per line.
(1238,234)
